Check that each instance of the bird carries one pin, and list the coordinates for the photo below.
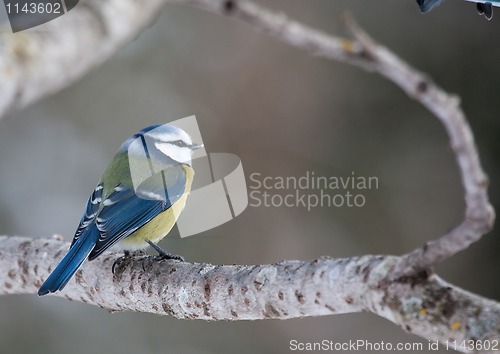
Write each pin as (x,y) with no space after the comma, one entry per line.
(483,7)
(136,202)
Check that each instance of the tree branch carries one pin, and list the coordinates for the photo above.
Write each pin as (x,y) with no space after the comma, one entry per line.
(479,213)
(422,304)
(41,61)
(44,60)
(366,53)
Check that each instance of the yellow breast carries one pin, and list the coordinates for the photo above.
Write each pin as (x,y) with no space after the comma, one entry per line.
(159,226)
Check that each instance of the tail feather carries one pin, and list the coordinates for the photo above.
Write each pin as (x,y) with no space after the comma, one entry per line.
(68,266)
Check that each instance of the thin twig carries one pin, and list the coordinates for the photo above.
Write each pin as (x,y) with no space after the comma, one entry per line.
(479,213)
(363,51)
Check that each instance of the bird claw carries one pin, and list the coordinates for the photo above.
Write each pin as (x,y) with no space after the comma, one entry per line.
(160,257)
(163,255)
(117,261)
(127,255)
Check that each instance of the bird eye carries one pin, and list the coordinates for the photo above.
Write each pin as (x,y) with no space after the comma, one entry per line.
(179,143)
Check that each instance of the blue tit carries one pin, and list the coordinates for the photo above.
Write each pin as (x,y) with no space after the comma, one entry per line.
(137,201)
(483,7)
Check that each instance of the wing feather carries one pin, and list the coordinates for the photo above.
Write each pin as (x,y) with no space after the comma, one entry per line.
(125,211)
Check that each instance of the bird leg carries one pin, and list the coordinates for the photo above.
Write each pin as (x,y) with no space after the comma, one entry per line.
(164,254)
(127,255)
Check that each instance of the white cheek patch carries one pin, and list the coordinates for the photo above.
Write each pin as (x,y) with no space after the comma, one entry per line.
(179,154)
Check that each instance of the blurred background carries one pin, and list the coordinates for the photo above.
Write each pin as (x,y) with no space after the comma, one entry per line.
(283,112)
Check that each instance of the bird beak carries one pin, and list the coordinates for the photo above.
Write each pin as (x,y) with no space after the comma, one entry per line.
(196,146)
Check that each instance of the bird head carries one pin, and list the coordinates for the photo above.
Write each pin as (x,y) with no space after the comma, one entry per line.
(165,139)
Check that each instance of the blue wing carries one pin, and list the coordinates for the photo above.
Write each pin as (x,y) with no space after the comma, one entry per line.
(90,213)
(108,221)
(126,210)
(84,241)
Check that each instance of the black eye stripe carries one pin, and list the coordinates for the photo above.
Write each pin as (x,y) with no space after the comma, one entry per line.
(179,143)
